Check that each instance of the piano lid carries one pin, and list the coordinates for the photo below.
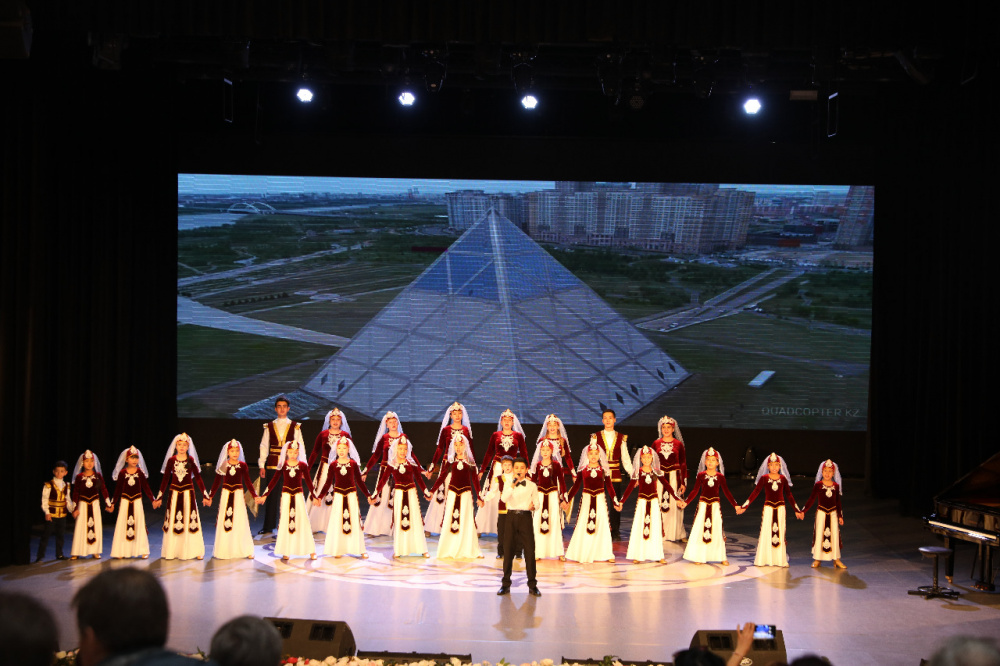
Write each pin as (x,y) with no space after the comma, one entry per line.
(980,487)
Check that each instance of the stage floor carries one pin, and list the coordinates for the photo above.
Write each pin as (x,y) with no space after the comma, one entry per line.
(637,612)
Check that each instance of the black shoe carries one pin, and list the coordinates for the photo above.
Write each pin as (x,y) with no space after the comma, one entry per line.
(38,559)
(503,590)
(60,556)
(263,532)
(519,556)
(499,557)
(533,591)
(616,537)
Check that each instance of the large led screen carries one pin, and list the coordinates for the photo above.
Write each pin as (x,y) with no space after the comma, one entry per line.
(728,305)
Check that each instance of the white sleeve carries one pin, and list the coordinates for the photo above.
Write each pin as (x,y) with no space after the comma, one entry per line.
(626,458)
(45,499)
(298,437)
(263,448)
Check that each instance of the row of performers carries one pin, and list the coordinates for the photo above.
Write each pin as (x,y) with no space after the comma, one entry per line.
(397,510)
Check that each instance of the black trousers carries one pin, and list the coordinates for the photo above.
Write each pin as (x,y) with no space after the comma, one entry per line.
(614,516)
(56,526)
(271,504)
(519,533)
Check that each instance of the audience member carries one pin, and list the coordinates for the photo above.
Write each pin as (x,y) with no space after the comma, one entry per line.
(28,635)
(246,640)
(967,651)
(123,619)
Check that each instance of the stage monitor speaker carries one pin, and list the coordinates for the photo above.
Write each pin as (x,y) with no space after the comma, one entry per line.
(411,657)
(314,639)
(723,643)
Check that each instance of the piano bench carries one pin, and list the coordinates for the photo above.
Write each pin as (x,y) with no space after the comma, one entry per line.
(932,591)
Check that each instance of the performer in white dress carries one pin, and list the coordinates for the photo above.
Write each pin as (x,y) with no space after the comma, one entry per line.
(294,529)
(130,475)
(707,542)
(459,476)
(88,489)
(407,526)
(508,440)
(547,473)
(182,535)
(390,431)
(324,450)
(775,482)
(233,537)
(645,541)
(826,494)
(454,422)
(343,480)
(673,464)
(591,540)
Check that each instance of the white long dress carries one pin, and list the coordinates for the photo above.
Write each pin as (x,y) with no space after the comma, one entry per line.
(378,521)
(89,525)
(645,542)
(707,542)
(344,535)
(591,540)
(182,535)
(672,515)
(820,537)
(131,538)
(408,527)
(463,543)
(434,518)
(548,526)
(771,551)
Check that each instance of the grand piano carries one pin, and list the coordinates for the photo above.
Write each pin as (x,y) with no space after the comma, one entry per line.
(969,510)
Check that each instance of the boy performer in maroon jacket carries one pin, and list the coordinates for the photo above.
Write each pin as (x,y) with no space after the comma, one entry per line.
(276,434)
(615,446)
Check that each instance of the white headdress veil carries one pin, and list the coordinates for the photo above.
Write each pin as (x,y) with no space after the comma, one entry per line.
(764,471)
(344,425)
(585,459)
(446,420)
(123,458)
(710,451)
(545,429)
(382,429)
(836,474)
(469,456)
(537,457)
(352,452)
(291,443)
(173,445)
(222,466)
(517,424)
(409,452)
(677,428)
(79,463)
(637,462)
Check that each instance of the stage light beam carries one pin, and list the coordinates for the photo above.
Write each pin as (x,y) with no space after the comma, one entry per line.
(751,106)
(529,102)
(304,95)
(407,98)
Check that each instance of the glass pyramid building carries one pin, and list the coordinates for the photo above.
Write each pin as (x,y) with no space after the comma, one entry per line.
(495,323)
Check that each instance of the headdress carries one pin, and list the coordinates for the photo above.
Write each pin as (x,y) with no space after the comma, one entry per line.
(344,426)
(677,428)
(468,449)
(585,458)
(517,424)
(352,452)
(382,429)
(637,462)
(409,451)
(545,428)
(123,459)
(764,471)
(289,444)
(836,473)
(446,420)
(222,466)
(173,445)
(711,452)
(84,456)
(544,441)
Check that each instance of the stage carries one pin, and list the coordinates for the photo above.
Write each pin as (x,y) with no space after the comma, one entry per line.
(638,612)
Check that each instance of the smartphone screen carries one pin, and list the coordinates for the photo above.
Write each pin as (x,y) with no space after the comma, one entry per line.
(763,632)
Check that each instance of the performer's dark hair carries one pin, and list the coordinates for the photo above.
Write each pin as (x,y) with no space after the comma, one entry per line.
(60,463)
(283,399)
(519,459)
(130,594)
(246,640)
(28,634)
(505,459)
(609,411)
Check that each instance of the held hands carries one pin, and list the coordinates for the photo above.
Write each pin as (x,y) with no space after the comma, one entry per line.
(682,490)
(840,520)
(371,500)
(740,510)
(109,509)
(427,495)
(427,473)
(316,501)
(618,507)
(564,506)
(156,505)
(681,503)
(260,500)
(48,517)
(481,503)
(262,472)
(801,514)
(207,502)
(76,513)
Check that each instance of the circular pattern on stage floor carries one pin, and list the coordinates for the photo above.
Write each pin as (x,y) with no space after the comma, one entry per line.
(554,577)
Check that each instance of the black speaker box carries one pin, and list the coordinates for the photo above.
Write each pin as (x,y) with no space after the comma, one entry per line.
(314,639)
(723,642)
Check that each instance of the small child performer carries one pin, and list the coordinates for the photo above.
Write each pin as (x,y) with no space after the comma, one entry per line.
(131,474)
(88,489)
(592,537)
(56,505)
(645,542)
(829,515)
(773,479)
(407,526)
(233,538)
(295,535)
(344,535)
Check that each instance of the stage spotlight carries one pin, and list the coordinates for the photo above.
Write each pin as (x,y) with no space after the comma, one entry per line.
(406,98)
(751,106)
(304,95)
(529,102)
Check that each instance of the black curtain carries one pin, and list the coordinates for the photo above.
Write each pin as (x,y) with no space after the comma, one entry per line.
(87,324)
